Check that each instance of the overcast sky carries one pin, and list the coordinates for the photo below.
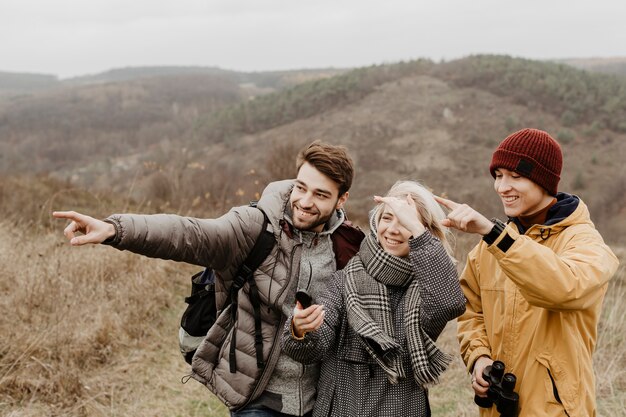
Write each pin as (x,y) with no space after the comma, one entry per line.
(78,37)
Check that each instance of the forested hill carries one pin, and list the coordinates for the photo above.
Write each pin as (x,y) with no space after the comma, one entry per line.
(572,95)
(616,65)
(12,83)
(211,139)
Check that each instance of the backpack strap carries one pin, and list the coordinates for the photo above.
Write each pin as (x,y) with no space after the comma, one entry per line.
(261,249)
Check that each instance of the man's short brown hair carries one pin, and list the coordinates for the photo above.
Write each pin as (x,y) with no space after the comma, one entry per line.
(331,160)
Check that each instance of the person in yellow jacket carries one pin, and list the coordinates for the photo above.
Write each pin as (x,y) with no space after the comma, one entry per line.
(535,285)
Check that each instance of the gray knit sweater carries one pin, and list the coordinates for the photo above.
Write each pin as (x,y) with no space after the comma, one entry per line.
(292,387)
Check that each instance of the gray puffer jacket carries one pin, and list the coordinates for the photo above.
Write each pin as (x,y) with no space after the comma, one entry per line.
(223,244)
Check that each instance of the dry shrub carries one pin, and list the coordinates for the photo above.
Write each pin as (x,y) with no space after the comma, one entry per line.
(26,201)
(280,162)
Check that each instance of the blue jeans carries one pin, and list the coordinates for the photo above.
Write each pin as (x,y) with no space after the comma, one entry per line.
(261,412)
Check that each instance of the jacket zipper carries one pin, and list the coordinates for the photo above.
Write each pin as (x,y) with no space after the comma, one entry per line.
(300,390)
(556,392)
(271,361)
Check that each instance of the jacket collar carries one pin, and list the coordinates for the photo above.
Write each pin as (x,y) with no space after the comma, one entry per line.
(565,206)
(568,210)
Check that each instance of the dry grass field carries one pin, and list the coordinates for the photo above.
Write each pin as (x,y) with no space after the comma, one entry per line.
(93,332)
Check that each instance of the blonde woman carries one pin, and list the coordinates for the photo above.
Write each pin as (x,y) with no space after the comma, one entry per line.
(375,327)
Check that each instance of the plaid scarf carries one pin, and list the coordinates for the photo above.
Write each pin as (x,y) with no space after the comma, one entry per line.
(369,314)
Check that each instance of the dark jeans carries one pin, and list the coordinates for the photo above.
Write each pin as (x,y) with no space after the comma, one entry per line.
(261,412)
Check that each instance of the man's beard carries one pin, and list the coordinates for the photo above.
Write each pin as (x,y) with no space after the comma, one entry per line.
(306,225)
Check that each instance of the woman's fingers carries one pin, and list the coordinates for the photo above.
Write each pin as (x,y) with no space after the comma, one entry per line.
(309,319)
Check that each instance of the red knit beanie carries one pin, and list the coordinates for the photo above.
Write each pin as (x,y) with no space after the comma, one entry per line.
(533,154)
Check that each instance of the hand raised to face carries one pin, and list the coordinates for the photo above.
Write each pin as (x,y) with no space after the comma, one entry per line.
(405,211)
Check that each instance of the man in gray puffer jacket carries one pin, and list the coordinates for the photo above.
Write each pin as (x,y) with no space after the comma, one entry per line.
(313,240)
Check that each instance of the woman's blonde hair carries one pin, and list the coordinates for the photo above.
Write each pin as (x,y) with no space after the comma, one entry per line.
(428,209)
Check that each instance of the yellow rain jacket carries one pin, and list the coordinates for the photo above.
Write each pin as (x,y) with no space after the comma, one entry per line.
(536,306)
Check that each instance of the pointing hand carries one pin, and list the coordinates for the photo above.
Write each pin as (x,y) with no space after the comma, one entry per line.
(464,218)
(92,230)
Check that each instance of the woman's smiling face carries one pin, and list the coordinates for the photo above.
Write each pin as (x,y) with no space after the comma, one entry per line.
(392,236)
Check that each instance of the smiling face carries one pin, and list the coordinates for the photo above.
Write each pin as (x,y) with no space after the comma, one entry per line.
(520,196)
(392,236)
(314,199)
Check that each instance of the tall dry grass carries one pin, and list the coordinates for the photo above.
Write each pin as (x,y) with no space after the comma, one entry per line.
(92,331)
(610,355)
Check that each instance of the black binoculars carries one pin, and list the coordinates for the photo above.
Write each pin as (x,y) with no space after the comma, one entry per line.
(500,390)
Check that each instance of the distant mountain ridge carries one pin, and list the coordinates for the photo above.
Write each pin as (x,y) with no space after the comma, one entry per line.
(24,83)
(209,140)
(19,83)
(272,79)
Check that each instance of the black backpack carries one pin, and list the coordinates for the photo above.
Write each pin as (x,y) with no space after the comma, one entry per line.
(201,310)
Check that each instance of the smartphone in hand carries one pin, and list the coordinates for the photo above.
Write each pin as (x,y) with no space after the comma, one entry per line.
(304,298)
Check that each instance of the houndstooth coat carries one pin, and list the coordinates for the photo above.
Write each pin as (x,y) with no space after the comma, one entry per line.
(351,383)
